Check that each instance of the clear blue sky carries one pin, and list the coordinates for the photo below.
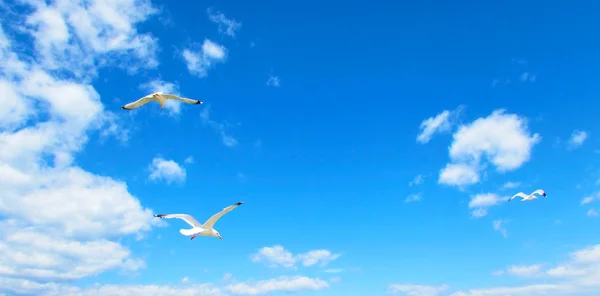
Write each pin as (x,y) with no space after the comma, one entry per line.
(373,143)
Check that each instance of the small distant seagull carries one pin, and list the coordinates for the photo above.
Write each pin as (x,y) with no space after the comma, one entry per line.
(160,98)
(529,197)
(205,229)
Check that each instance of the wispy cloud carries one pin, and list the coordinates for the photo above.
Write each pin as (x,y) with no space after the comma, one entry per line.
(418,180)
(278,256)
(577,138)
(273,81)
(510,185)
(442,122)
(498,226)
(227,140)
(480,203)
(413,198)
(226,26)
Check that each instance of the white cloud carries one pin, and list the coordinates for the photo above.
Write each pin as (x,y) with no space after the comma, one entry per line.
(497,224)
(199,61)
(167,170)
(591,198)
(577,138)
(54,110)
(510,185)
(76,36)
(281,284)
(418,180)
(592,213)
(527,77)
(273,81)
(189,160)
(334,270)
(413,198)
(226,26)
(278,256)
(158,85)
(458,174)
(440,123)
(501,139)
(227,140)
(525,270)
(480,203)
(417,290)
(578,276)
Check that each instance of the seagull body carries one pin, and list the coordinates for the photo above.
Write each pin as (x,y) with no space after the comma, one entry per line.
(205,229)
(530,196)
(160,98)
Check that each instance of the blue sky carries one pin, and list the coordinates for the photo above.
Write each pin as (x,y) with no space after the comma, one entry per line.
(374,145)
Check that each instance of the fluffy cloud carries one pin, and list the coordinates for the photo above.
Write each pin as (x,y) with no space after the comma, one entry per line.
(278,256)
(226,26)
(501,139)
(480,202)
(417,290)
(72,218)
(167,170)
(198,61)
(438,124)
(577,138)
(579,276)
(220,128)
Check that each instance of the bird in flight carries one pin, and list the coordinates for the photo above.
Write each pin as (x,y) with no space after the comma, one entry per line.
(161,99)
(529,197)
(205,229)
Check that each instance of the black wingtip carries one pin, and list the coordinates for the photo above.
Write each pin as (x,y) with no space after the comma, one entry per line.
(199,102)
(123,108)
(239,203)
(159,215)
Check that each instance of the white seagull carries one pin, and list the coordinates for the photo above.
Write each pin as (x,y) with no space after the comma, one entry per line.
(160,98)
(529,197)
(205,229)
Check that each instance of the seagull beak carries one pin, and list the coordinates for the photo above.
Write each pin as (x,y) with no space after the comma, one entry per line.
(220,237)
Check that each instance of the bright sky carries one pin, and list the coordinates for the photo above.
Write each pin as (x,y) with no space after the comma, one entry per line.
(374,145)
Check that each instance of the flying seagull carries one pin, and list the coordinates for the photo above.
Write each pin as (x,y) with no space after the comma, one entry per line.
(160,98)
(205,229)
(529,197)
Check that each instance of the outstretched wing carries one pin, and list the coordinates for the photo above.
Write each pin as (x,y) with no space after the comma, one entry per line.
(212,220)
(539,192)
(521,194)
(185,217)
(138,103)
(185,100)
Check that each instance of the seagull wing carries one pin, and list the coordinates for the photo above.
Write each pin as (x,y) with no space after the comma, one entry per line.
(138,103)
(185,217)
(521,194)
(185,100)
(539,192)
(212,220)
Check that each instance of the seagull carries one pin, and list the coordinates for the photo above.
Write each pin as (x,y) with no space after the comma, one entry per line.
(531,196)
(205,229)
(160,98)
